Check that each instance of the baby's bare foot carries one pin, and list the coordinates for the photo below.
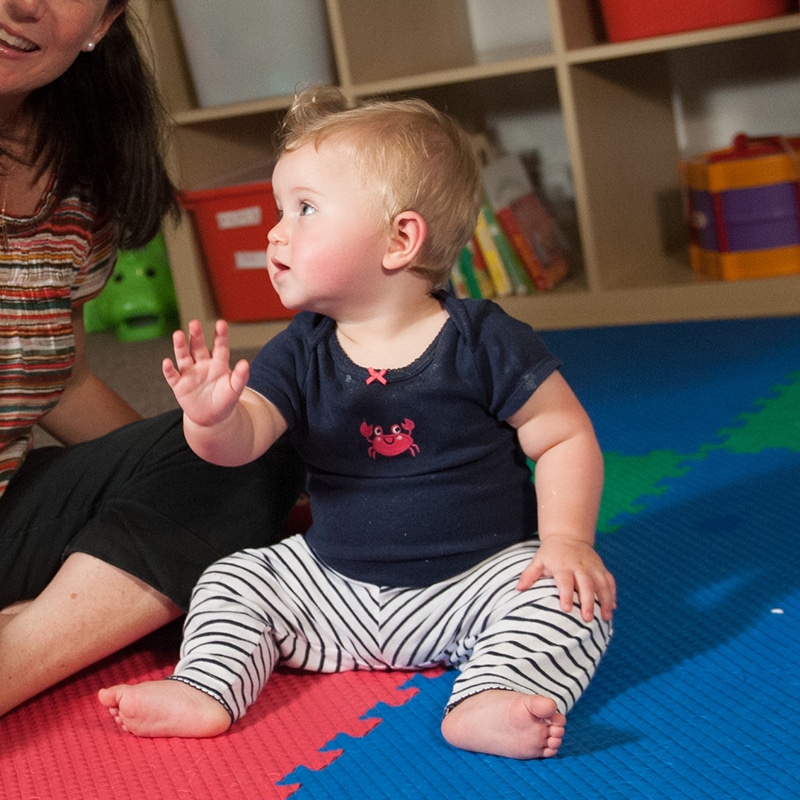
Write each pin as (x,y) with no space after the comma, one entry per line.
(165,708)
(505,723)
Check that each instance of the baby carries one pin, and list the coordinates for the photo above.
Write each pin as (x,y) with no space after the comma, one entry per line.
(415,414)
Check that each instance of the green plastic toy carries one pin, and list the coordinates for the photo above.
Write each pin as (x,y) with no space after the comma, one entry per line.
(138,302)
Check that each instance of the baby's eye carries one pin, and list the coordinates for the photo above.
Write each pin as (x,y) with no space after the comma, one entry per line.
(306,209)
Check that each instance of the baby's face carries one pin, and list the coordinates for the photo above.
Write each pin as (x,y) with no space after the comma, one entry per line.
(331,238)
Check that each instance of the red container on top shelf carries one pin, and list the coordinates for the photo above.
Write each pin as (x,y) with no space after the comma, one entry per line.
(638,19)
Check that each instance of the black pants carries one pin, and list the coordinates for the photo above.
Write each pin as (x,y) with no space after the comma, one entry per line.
(139,499)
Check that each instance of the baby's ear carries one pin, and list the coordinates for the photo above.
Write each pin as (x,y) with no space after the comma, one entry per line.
(406,237)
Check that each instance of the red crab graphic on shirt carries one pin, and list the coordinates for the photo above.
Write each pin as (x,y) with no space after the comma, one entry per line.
(393,442)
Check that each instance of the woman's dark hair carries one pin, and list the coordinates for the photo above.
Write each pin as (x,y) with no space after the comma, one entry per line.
(102,122)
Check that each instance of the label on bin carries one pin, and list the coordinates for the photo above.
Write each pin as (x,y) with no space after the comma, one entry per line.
(240,218)
(250,259)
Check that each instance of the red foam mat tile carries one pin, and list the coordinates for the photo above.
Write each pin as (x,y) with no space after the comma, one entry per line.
(64,744)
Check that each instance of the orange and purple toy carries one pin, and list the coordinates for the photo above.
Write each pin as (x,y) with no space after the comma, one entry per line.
(744,209)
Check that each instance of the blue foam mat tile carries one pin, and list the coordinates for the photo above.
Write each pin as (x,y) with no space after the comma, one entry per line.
(698,694)
(704,561)
(700,574)
(674,385)
(407,758)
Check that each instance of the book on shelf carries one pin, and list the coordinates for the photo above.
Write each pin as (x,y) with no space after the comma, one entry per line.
(526,221)
(521,282)
(465,272)
(491,256)
(477,264)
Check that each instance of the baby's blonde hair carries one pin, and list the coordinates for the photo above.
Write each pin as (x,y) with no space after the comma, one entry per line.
(420,159)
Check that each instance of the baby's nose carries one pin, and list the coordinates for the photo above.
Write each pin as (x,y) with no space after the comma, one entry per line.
(274,235)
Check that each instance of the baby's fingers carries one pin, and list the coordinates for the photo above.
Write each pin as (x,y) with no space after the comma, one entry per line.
(239,376)
(567,585)
(221,348)
(183,351)
(198,350)
(530,575)
(170,372)
(602,587)
(607,596)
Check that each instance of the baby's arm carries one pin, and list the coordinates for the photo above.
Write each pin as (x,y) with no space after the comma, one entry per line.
(225,422)
(556,433)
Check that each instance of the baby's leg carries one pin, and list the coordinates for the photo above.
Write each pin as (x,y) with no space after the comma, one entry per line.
(165,708)
(529,663)
(227,656)
(249,610)
(506,723)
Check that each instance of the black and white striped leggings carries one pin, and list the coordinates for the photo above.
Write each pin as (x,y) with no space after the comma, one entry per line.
(280,605)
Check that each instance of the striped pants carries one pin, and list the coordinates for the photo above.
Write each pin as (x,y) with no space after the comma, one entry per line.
(280,605)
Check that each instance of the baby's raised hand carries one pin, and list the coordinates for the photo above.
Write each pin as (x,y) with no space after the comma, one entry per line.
(577,569)
(203,383)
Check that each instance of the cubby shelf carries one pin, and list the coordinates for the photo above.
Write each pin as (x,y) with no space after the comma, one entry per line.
(617,111)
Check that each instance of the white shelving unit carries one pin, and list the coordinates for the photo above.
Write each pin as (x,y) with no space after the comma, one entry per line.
(616,111)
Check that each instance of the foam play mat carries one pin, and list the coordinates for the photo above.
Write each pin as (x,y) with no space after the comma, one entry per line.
(698,696)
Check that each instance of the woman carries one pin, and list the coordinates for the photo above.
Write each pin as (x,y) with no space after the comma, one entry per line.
(102,540)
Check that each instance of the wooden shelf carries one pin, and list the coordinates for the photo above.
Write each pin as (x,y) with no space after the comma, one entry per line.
(618,122)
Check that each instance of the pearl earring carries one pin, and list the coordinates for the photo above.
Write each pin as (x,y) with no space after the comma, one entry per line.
(89,46)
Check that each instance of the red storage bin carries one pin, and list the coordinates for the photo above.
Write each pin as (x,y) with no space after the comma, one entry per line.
(232,223)
(637,19)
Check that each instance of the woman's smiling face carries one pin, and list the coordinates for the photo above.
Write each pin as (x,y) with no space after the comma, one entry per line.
(39,39)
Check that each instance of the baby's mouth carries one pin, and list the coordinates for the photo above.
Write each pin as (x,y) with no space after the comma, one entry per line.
(16,42)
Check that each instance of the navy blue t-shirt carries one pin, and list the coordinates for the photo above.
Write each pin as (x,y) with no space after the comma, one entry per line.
(414,475)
